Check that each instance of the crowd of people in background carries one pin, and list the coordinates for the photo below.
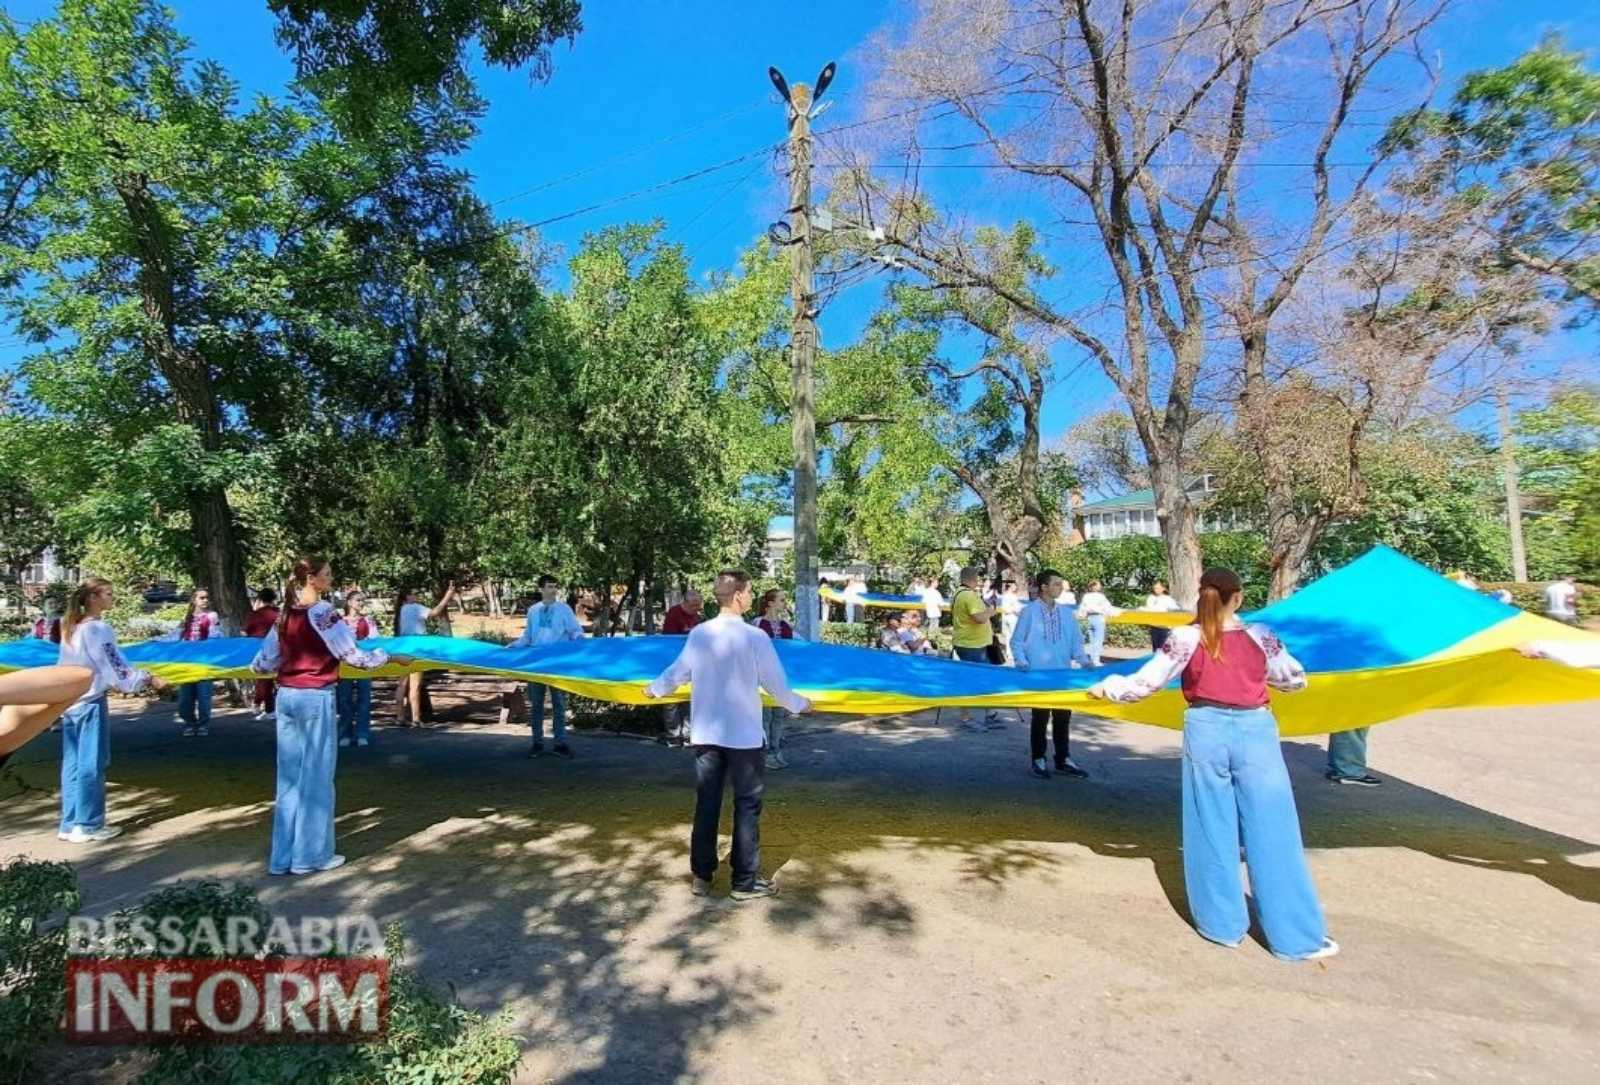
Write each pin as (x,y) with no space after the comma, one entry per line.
(1234,781)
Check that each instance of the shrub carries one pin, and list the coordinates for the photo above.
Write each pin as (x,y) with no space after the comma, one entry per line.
(34,899)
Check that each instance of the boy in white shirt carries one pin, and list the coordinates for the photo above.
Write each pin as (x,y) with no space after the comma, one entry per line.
(1561,600)
(728,663)
(550,621)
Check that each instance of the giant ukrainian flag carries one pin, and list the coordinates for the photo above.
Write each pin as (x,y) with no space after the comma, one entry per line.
(1381,638)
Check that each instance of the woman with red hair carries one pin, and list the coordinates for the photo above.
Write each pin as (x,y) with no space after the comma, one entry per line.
(1234,778)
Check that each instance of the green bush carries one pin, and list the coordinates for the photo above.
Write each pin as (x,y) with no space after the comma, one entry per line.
(35,898)
(632,719)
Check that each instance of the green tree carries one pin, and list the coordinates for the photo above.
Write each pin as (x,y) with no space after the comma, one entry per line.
(1514,164)
(379,56)
(154,235)
(1558,458)
(26,524)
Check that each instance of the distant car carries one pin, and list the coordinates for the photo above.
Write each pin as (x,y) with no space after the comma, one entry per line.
(163,593)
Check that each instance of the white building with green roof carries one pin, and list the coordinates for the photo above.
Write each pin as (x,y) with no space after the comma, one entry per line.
(1135,514)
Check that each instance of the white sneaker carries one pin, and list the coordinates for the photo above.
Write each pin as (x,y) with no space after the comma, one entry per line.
(344,742)
(362,742)
(80,835)
(1329,948)
(332,864)
(773,764)
(261,713)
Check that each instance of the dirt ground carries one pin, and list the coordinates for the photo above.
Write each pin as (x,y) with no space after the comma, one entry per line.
(944,917)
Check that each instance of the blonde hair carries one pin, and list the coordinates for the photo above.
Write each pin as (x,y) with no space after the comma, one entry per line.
(78,604)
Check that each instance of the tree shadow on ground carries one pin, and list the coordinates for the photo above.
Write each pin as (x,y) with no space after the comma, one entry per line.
(560,887)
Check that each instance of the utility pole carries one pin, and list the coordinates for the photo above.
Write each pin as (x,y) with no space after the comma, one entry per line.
(1508,460)
(803,352)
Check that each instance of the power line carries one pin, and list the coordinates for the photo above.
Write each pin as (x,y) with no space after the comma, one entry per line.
(1025,166)
(738,184)
(628,155)
(446,248)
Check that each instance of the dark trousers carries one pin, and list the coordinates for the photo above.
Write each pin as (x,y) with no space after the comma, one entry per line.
(713,766)
(1042,718)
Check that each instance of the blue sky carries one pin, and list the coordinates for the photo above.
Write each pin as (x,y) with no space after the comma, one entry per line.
(651,91)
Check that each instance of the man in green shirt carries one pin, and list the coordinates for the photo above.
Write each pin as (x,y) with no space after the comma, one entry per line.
(970,617)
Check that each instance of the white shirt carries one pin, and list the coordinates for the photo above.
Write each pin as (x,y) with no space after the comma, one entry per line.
(932,603)
(1096,603)
(337,637)
(548,623)
(93,644)
(1165,603)
(1561,600)
(413,620)
(727,663)
(1564,652)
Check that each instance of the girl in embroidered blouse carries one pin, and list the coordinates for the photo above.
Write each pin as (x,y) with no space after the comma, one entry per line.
(194,698)
(88,641)
(305,649)
(1233,775)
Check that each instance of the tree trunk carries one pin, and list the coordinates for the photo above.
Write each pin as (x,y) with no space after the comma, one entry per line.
(220,557)
(1291,539)
(1175,514)
(189,377)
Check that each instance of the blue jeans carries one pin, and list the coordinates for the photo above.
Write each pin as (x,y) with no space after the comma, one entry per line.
(1097,637)
(715,766)
(558,712)
(1234,779)
(1347,752)
(308,753)
(773,721)
(355,708)
(194,704)
(85,754)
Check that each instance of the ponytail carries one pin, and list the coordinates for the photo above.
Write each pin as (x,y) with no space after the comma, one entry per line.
(78,604)
(308,566)
(1217,587)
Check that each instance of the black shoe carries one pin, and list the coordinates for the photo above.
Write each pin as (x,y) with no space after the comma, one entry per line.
(190,731)
(563,750)
(1068,767)
(1038,769)
(536,750)
(1364,780)
(757,889)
